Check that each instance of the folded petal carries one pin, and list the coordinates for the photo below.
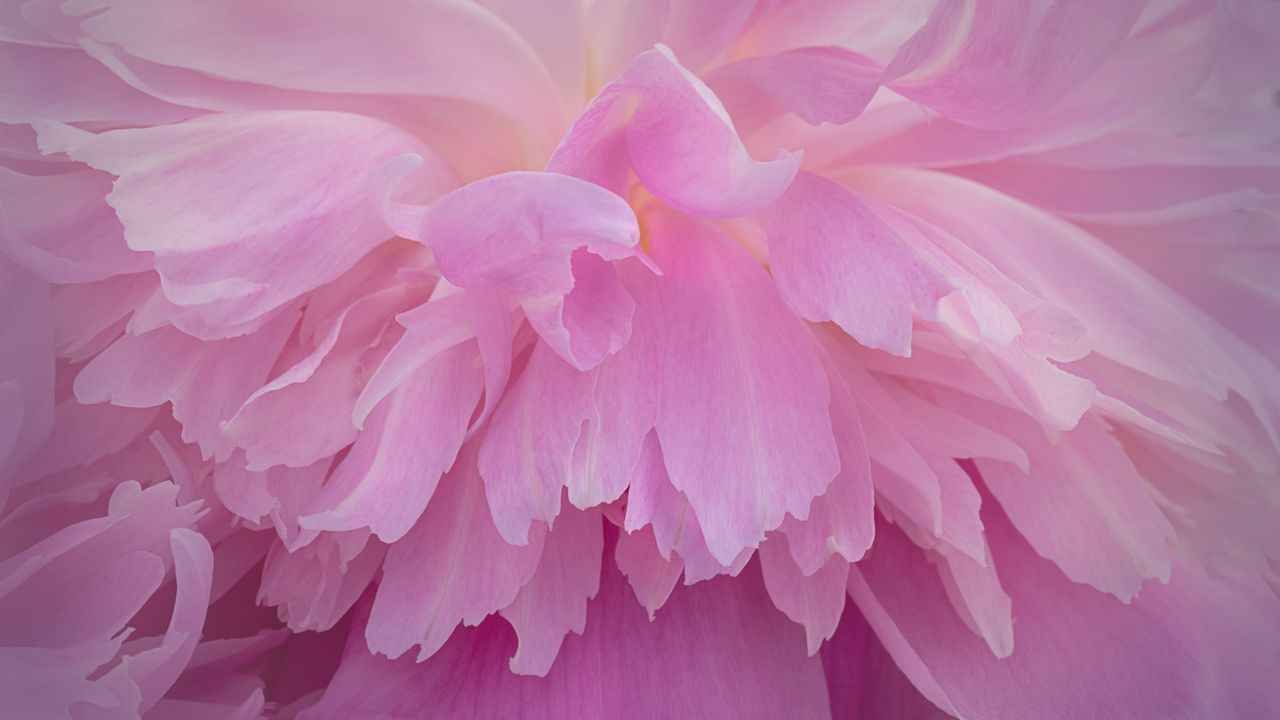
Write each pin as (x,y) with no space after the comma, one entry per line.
(548,250)
(652,576)
(679,140)
(654,503)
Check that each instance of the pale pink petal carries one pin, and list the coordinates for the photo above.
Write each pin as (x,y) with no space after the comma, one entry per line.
(625,403)
(863,680)
(1206,645)
(314,587)
(547,249)
(837,255)
(978,598)
(679,141)
(1051,257)
(816,600)
(453,567)
(151,672)
(390,47)
(701,30)
(1083,505)
(306,412)
(743,419)
(554,602)
(229,203)
(206,382)
(64,84)
(653,501)
(998,65)
(60,227)
(275,497)
(527,449)
(555,30)
(652,577)
(841,520)
(408,442)
(816,84)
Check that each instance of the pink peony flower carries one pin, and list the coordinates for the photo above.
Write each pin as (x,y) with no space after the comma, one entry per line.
(694,358)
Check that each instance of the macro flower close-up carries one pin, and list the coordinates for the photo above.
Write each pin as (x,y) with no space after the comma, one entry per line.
(798,359)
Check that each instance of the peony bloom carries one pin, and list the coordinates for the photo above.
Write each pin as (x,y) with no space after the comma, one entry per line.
(694,358)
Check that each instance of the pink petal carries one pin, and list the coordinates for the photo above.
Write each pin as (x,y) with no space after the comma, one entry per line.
(528,447)
(679,140)
(653,501)
(692,661)
(181,194)
(64,84)
(743,419)
(409,441)
(1083,505)
(978,598)
(274,497)
(554,602)
(453,567)
(817,84)
(841,520)
(839,256)
(391,47)
(625,403)
(816,601)
(1207,645)
(531,250)
(314,587)
(999,65)
(206,382)
(60,228)
(652,577)
(152,672)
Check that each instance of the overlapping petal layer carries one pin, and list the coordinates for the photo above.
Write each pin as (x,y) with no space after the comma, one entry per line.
(893,359)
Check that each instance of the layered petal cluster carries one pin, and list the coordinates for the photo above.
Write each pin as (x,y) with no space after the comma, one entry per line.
(695,358)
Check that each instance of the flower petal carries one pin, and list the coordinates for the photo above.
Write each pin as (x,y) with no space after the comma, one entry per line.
(743,419)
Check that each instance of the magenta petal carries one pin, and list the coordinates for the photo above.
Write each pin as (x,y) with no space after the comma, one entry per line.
(692,661)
